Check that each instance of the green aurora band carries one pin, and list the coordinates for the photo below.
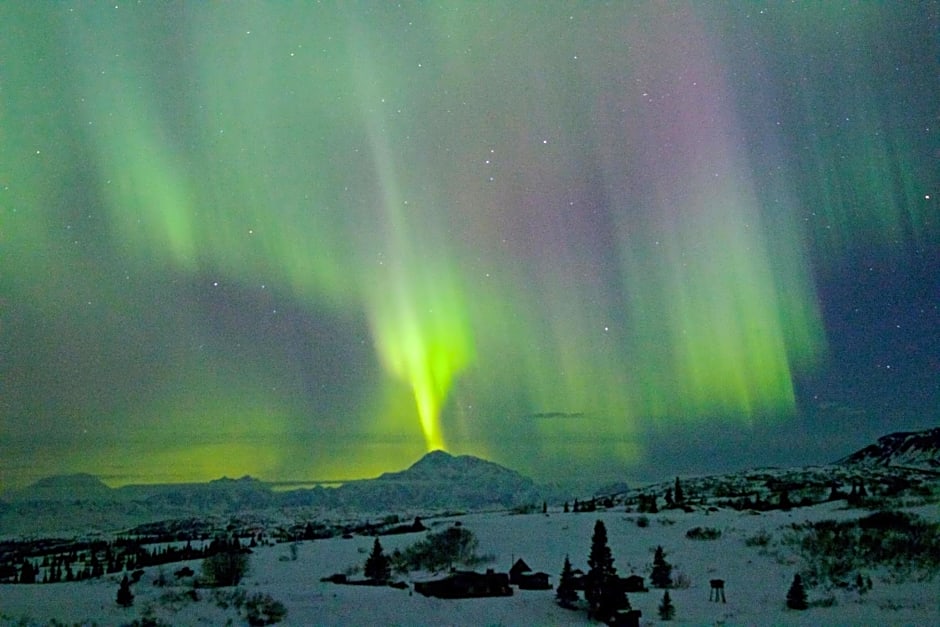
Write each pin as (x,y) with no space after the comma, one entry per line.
(523,227)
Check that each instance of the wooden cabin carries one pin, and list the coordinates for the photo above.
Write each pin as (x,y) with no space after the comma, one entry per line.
(466,584)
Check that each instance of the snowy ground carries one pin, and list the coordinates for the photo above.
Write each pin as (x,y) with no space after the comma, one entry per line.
(756,579)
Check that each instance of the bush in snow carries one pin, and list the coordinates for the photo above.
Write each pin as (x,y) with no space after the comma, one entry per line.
(263,609)
(905,544)
(225,569)
(703,533)
(444,549)
(761,538)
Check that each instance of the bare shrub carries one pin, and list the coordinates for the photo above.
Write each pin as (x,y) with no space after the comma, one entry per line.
(761,538)
(703,533)
(681,580)
(224,569)
(263,609)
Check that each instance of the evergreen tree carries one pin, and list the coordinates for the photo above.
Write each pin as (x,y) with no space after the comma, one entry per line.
(661,577)
(27,572)
(796,595)
(677,493)
(602,589)
(566,595)
(125,598)
(566,507)
(378,567)
(667,611)
(852,498)
(97,570)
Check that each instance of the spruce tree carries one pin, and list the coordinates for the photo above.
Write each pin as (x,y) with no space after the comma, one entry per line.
(667,611)
(600,563)
(677,494)
(602,589)
(27,572)
(377,566)
(566,595)
(125,598)
(661,577)
(796,595)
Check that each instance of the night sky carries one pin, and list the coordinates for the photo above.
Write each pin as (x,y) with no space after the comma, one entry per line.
(312,241)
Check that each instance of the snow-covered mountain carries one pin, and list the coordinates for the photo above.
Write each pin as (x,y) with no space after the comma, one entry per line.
(436,481)
(916,449)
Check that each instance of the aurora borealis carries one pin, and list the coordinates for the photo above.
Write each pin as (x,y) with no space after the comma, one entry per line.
(315,240)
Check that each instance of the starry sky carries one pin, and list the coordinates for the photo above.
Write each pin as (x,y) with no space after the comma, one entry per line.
(313,241)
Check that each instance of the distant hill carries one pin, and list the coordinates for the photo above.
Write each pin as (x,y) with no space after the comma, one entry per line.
(77,487)
(915,449)
(436,482)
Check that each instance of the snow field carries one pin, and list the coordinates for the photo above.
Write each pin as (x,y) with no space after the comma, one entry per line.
(756,578)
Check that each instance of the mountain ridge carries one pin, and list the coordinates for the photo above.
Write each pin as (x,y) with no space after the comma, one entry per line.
(910,449)
(436,482)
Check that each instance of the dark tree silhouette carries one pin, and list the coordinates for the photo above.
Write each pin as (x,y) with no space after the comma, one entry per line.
(125,598)
(667,611)
(661,577)
(566,595)
(378,567)
(602,589)
(27,572)
(796,595)
(677,493)
(227,566)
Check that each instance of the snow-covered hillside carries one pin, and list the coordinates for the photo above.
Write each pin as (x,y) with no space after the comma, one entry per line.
(757,578)
(918,449)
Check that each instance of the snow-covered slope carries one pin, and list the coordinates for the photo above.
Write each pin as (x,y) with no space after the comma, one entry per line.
(917,449)
(756,578)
